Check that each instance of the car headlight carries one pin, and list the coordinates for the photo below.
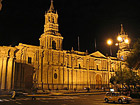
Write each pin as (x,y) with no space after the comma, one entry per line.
(124,98)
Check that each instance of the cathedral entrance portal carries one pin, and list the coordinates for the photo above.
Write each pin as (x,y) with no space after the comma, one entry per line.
(98,81)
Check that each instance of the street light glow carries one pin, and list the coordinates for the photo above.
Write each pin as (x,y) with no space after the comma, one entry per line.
(109,41)
(116,44)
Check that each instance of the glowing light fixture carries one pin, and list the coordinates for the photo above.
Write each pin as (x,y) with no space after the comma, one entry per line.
(109,41)
(116,44)
(126,41)
(119,38)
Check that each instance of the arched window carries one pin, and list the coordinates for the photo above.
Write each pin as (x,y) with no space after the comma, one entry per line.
(53,45)
(97,67)
(49,18)
(55,75)
(79,66)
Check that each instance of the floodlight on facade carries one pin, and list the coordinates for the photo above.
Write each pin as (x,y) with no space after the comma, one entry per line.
(119,38)
(126,41)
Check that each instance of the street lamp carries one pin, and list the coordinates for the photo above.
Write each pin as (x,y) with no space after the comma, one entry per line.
(117,44)
(110,42)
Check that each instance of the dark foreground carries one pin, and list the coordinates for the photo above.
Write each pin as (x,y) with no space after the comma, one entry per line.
(61,100)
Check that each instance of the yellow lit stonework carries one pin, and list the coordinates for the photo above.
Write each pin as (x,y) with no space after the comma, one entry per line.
(7,67)
(47,66)
(123,44)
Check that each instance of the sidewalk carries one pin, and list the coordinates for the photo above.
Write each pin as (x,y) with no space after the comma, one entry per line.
(71,93)
(63,93)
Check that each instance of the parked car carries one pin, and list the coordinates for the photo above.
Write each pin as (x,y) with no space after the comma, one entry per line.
(116,97)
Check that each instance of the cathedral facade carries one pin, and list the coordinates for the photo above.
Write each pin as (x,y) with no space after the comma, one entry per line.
(47,66)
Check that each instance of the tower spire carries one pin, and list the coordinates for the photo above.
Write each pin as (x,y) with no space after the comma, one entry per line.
(51,7)
(122,30)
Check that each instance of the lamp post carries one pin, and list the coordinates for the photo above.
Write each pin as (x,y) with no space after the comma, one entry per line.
(110,42)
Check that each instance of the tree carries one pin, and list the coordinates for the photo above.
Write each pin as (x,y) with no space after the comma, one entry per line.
(0,5)
(133,60)
(125,76)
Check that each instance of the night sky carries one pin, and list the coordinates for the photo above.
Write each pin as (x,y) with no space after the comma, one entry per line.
(22,21)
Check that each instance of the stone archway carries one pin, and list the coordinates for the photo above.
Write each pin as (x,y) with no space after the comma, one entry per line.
(98,81)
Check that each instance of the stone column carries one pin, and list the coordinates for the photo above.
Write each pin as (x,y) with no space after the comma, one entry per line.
(4,71)
(72,72)
(13,74)
(51,42)
(88,82)
(9,74)
(40,69)
(1,67)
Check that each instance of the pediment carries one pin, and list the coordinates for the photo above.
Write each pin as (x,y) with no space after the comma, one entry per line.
(98,54)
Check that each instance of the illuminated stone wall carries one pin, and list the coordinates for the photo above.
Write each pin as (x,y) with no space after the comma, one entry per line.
(7,67)
(49,67)
(26,66)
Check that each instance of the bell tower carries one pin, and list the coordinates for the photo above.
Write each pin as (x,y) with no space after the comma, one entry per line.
(123,44)
(123,39)
(51,38)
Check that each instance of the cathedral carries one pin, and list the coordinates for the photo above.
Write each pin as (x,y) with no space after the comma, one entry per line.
(48,66)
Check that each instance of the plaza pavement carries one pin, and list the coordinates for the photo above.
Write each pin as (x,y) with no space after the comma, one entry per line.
(63,93)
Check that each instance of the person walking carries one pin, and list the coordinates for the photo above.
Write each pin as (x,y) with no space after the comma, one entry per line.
(13,95)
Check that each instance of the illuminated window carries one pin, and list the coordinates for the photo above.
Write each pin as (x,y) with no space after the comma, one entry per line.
(29,60)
